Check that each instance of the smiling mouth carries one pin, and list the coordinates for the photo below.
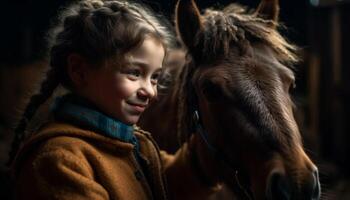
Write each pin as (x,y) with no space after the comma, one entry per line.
(138,107)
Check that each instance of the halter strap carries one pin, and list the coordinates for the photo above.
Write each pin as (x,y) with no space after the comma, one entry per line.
(218,154)
(214,151)
(197,127)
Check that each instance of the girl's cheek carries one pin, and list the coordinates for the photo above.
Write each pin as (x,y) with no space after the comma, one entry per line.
(128,89)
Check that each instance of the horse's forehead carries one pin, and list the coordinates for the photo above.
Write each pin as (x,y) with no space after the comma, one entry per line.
(265,54)
(260,65)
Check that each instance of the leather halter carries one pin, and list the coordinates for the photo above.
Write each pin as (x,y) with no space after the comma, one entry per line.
(220,156)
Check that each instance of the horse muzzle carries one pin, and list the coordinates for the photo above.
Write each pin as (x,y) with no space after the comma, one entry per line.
(281,188)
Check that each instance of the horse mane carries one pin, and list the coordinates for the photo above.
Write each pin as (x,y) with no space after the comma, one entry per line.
(235,26)
(224,31)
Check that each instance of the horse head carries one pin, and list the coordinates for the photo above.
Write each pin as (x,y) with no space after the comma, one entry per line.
(235,97)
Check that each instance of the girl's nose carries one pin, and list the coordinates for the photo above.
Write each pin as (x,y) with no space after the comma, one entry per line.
(147,90)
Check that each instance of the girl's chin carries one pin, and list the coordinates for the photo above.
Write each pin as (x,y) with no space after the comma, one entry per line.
(131,120)
(127,117)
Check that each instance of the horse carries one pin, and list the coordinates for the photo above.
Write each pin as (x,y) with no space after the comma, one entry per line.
(233,97)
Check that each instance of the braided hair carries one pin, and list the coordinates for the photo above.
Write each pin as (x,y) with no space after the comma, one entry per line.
(97,30)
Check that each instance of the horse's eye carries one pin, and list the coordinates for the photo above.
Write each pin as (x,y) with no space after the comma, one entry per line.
(212,91)
(292,87)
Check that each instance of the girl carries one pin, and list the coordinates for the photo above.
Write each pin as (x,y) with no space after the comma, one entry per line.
(109,55)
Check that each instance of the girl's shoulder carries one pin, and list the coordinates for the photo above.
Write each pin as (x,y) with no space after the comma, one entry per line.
(61,138)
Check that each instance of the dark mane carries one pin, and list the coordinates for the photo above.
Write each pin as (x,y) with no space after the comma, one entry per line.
(235,26)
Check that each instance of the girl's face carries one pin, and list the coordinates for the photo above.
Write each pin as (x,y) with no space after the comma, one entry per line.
(124,92)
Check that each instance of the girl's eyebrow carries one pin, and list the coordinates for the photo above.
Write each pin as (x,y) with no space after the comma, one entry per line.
(133,60)
(139,63)
(143,64)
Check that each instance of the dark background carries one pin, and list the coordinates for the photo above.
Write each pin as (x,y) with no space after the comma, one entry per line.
(320,27)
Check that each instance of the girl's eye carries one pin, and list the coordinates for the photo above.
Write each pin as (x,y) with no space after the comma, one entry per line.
(133,73)
(154,78)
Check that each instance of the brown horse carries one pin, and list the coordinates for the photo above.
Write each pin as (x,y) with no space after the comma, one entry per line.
(233,98)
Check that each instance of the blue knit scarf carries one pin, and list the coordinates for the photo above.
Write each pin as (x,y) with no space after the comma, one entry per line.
(79,111)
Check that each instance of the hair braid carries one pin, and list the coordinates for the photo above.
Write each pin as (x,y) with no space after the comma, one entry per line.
(48,86)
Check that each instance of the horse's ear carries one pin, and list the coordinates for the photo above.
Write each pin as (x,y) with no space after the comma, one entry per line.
(268,9)
(188,21)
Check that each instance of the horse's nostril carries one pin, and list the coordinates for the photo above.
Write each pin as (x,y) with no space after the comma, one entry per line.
(316,193)
(278,188)
(312,189)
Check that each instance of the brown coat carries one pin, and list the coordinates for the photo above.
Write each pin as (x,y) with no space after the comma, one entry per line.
(66,162)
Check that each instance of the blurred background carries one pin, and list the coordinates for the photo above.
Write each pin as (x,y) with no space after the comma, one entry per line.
(320,27)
